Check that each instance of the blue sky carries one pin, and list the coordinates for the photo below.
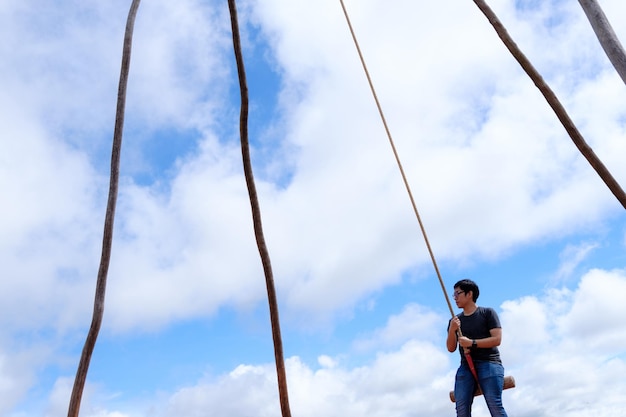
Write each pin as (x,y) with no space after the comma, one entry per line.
(506,199)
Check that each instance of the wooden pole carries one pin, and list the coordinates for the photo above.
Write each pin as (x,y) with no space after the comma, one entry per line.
(107,240)
(555,104)
(606,36)
(256,218)
(509,382)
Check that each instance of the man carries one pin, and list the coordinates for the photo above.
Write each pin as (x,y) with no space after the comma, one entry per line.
(481,335)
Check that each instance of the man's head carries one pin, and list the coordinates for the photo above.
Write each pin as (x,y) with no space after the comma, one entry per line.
(467,285)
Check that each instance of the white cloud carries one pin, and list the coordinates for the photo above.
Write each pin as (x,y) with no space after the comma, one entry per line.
(51,215)
(603,331)
(489,165)
(556,367)
(174,257)
(392,385)
(58,107)
(414,321)
(571,257)
(326,361)
(59,401)
(9,381)
(180,58)
(566,349)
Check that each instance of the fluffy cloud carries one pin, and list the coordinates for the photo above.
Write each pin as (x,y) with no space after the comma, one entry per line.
(470,128)
(559,363)
(489,165)
(393,384)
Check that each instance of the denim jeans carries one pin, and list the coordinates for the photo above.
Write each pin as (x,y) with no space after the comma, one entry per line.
(491,378)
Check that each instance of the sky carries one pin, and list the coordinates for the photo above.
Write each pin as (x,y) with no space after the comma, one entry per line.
(505,197)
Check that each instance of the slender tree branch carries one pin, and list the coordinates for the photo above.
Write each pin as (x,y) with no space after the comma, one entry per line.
(256,217)
(554,102)
(98,310)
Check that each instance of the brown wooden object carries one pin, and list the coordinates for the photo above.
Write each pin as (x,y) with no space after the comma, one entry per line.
(509,382)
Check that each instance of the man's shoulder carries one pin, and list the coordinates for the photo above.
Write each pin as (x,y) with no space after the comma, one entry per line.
(490,314)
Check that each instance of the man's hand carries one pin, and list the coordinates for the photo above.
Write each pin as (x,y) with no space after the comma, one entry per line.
(451,342)
(455,325)
(465,342)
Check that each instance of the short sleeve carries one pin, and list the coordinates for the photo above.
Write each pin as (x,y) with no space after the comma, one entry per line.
(493,321)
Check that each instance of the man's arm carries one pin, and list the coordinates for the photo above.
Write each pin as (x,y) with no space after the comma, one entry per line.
(451,341)
(488,342)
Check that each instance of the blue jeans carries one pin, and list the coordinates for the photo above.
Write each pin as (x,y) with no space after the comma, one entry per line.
(491,378)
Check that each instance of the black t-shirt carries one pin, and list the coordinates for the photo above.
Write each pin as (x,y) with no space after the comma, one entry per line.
(477,326)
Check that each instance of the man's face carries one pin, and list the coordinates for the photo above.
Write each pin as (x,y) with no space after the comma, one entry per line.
(461,298)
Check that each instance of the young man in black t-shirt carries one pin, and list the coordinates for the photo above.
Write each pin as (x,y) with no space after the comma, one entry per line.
(481,335)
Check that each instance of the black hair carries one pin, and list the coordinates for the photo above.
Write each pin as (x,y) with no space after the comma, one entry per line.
(468,285)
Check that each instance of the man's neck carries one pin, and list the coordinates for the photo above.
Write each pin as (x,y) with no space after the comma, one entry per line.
(469,309)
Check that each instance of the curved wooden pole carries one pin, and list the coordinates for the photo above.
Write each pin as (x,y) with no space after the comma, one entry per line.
(107,240)
(256,217)
(554,102)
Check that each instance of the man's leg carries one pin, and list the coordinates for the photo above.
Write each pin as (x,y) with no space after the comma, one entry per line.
(491,377)
(464,386)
